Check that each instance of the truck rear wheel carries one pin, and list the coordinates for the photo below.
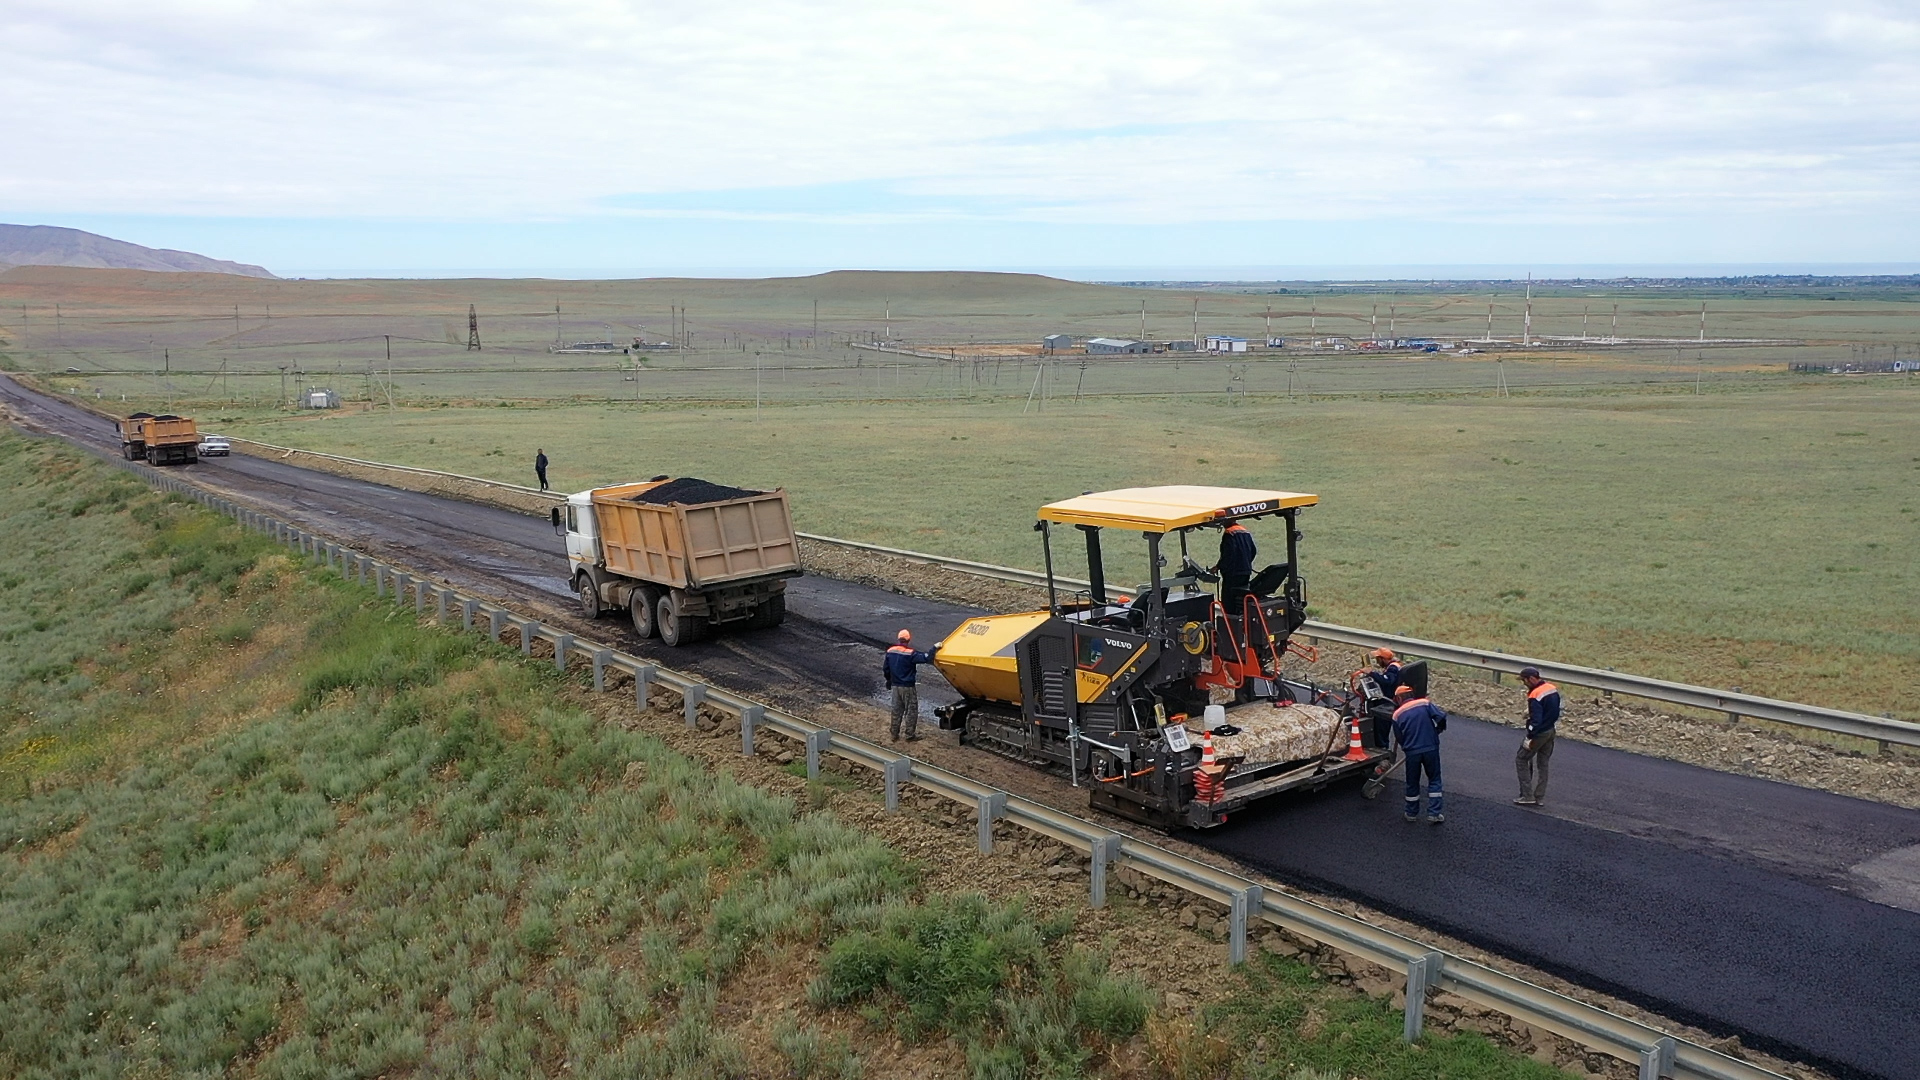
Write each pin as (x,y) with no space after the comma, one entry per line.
(589,594)
(677,628)
(770,614)
(643,605)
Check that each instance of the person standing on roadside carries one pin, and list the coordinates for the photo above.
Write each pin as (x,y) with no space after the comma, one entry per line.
(1417,723)
(1543,716)
(900,662)
(540,467)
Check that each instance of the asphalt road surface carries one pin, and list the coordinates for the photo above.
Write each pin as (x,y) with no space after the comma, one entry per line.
(1788,917)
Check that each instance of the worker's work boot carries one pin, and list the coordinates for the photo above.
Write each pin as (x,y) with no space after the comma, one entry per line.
(1435,819)
(1526,800)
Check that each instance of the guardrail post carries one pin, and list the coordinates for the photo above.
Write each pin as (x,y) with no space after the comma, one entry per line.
(561,643)
(420,596)
(400,582)
(990,808)
(467,608)
(379,580)
(494,619)
(1106,852)
(1245,902)
(749,718)
(1656,1061)
(363,569)
(600,658)
(1422,973)
(526,635)
(642,685)
(899,771)
(440,605)
(691,698)
(817,744)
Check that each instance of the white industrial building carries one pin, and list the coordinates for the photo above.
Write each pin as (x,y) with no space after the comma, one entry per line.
(1221,343)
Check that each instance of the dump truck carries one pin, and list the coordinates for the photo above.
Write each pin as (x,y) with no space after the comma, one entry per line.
(683,557)
(1167,700)
(159,440)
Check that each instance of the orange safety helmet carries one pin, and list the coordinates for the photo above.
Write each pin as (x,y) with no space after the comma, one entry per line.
(1403,690)
(1382,656)
(903,636)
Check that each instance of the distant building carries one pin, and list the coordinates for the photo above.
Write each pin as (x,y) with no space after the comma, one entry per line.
(319,398)
(1056,342)
(1105,345)
(1179,346)
(1224,344)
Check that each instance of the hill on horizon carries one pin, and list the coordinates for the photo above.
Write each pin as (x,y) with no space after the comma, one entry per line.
(52,245)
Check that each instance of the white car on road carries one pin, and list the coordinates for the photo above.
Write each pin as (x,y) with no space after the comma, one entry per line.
(215,446)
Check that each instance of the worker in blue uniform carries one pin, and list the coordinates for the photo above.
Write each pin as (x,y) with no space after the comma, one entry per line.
(899,666)
(1543,716)
(1417,723)
(1237,552)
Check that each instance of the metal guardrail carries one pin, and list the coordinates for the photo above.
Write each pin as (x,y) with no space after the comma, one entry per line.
(1884,730)
(1732,702)
(1656,1053)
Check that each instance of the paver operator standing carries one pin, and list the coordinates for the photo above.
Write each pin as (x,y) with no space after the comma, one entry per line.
(1384,676)
(900,662)
(1237,552)
(1543,717)
(1417,723)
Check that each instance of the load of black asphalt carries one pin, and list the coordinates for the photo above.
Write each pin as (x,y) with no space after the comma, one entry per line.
(692,491)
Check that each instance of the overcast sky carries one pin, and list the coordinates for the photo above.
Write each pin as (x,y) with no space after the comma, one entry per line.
(774,134)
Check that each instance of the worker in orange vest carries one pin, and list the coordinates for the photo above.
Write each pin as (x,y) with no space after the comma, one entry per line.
(1417,723)
(1543,716)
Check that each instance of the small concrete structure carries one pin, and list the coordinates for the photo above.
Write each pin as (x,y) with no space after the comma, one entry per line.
(1056,342)
(1102,346)
(319,397)
(1220,343)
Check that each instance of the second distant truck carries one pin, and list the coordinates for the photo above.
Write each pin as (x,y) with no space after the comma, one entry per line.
(682,557)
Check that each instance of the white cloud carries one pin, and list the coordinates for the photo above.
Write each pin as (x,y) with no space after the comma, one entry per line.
(1118,111)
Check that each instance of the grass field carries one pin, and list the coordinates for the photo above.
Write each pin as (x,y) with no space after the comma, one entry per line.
(1763,539)
(193,338)
(1696,513)
(256,823)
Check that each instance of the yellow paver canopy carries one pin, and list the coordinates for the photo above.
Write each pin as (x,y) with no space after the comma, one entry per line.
(1163,509)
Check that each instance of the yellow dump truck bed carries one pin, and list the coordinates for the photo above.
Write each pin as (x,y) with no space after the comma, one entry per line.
(169,431)
(695,546)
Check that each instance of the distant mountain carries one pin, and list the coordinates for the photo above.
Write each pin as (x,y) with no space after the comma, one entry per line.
(50,245)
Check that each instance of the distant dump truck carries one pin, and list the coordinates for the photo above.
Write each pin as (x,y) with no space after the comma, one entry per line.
(683,557)
(159,440)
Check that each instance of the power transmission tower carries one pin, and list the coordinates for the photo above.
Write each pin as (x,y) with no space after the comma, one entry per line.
(473,329)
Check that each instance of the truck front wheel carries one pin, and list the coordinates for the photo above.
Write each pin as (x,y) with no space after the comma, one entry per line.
(589,596)
(644,606)
(677,628)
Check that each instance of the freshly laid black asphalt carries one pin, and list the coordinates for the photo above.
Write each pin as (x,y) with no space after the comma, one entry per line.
(1788,917)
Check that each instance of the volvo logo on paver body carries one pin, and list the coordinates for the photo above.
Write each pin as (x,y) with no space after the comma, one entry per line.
(1250,508)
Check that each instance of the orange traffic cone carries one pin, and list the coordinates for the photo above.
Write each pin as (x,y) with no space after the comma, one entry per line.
(1209,780)
(1356,750)
(1206,750)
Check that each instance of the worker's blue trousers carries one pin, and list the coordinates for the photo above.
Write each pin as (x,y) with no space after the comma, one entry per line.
(1428,762)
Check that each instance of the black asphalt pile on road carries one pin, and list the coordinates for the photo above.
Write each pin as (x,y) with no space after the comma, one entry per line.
(692,491)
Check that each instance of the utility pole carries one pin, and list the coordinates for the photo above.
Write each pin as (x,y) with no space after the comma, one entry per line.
(1583,322)
(1143,320)
(389,337)
(556,322)
(1489,324)
(1196,324)
(473,329)
(1526,325)
(236,318)
(56,326)
(1392,311)
(1616,324)
(1376,324)
(1313,318)
(816,323)
(889,320)
(283,386)
(1703,321)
